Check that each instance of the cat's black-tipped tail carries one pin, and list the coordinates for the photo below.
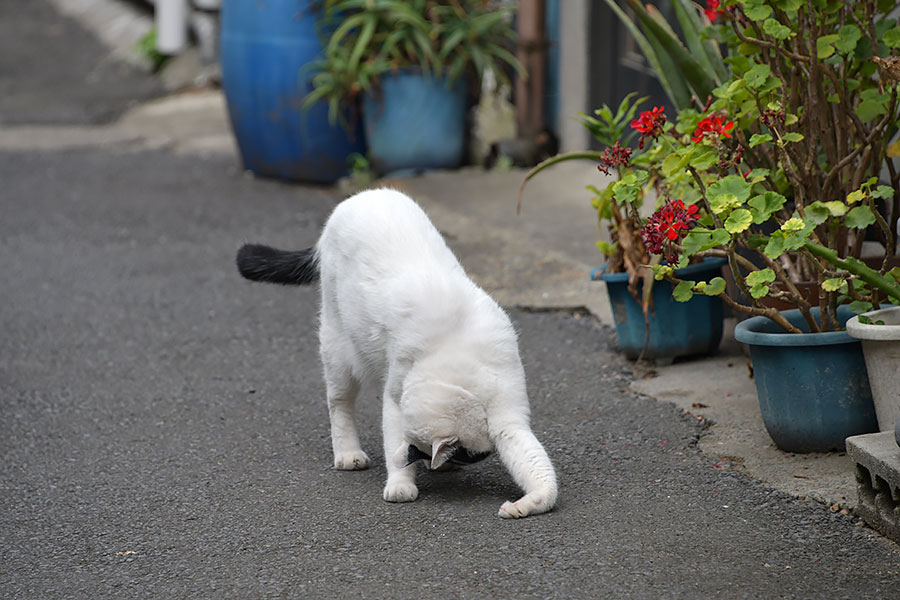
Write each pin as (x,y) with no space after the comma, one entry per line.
(263,263)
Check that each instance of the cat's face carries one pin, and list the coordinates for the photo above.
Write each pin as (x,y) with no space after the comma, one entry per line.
(442,422)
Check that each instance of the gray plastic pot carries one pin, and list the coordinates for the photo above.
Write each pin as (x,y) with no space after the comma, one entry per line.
(881,347)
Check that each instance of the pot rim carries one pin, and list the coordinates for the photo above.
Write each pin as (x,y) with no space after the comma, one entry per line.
(710,262)
(752,331)
(888,332)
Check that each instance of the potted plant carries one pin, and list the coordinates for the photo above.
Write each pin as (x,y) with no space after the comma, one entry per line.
(879,331)
(783,161)
(411,65)
(266,49)
(778,170)
(649,323)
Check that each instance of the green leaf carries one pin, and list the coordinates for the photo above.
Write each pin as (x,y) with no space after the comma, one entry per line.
(891,37)
(739,220)
(757,175)
(895,273)
(825,45)
(704,158)
(856,196)
(764,205)
(606,248)
(715,286)
(859,217)
(759,138)
(698,240)
(724,203)
(859,306)
(731,184)
(761,276)
(833,284)
(849,35)
(760,290)
(819,212)
(884,192)
(676,89)
(704,50)
(683,291)
(837,209)
(793,224)
(776,29)
(792,136)
(757,10)
(775,247)
(660,272)
(757,75)
(688,68)
(872,104)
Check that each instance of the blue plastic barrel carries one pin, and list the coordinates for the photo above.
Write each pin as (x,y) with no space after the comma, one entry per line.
(265,47)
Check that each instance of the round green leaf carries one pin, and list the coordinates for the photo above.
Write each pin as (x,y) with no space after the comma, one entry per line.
(684,291)
(739,220)
(860,217)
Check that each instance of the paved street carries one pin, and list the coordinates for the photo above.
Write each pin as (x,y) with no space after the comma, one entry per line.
(163,430)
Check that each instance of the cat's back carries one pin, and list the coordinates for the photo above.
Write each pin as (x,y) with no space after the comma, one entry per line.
(384,226)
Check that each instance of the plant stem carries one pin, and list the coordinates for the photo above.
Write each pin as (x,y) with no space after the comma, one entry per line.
(858,268)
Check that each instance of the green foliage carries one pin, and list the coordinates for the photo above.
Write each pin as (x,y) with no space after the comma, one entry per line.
(445,39)
(782,145)
(608,127)
(146,47)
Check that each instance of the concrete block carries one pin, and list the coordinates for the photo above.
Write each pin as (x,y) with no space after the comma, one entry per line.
(877,459)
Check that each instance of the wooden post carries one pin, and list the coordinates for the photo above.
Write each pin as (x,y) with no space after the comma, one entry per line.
(532,53)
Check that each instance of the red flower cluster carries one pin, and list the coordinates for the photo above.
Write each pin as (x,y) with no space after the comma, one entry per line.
(650,124)
(712,124)
(666,225)
(614,157)
(712,10)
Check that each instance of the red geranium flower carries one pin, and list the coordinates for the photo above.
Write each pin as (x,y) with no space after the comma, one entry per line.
(712,10)
(616,156)
(650,124)
(712,124)
(666,225)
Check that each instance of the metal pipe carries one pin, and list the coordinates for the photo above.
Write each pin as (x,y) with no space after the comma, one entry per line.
(171,26)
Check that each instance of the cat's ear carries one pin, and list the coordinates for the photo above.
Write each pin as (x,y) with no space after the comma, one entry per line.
(407,454)
(442,450)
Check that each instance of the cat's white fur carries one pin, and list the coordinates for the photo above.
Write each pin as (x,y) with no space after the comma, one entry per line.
(398,309)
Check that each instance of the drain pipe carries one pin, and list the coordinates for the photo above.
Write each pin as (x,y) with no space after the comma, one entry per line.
(171,26)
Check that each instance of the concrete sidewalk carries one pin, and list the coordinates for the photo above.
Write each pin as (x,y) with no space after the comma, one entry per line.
(537,260)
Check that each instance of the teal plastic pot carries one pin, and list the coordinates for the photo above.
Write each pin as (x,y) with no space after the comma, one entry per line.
(676,328)
(415,123)
(813,388)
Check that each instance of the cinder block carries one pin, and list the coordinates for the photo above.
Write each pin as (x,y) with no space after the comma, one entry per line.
(877,459)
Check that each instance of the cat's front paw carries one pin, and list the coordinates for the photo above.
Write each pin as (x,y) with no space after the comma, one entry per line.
(351,461)
(403,491)
(524,506)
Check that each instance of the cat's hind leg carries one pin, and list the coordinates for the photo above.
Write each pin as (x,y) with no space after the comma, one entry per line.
(341,389)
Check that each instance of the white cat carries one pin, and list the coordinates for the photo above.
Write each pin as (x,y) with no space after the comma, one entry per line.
(398,309)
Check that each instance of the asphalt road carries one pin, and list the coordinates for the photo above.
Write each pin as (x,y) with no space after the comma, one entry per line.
(163,430)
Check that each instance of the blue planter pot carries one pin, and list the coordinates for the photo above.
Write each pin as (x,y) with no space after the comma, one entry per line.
(415,123)
(676,328)
(266,48)
(813,388)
